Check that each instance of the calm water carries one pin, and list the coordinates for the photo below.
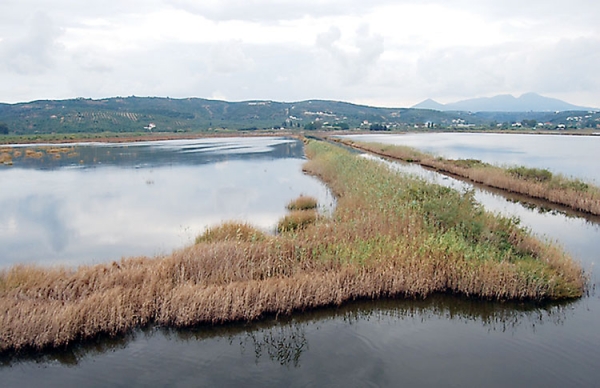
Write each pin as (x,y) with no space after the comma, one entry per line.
(100,202)
(442,341)
(573,156)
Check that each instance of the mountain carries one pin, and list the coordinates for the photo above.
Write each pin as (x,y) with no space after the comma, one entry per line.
(430,104)
(529,102)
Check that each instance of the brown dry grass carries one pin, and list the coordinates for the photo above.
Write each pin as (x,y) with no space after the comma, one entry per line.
(30,153)
(5,158)
(389,236)
(59,150)
(297,219)
(303,202)
(557,189)
(231,231)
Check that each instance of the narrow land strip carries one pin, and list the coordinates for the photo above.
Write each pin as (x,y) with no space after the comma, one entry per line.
(532,182)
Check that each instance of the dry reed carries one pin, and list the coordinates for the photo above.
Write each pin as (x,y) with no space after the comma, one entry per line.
(303,202)
(30,153)
(5,158)
(535,183)
(390,236)
(231,231)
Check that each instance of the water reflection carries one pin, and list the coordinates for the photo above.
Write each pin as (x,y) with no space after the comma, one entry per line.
(283,340)
(101,202)
(153,153)
(575,156)
(441,341)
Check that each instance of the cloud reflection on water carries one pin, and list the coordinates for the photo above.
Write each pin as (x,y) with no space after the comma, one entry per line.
(116,208)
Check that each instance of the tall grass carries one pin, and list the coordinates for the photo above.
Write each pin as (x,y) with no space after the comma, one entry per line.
(231,231)
(390,235)
(532,182)
(302,212)
(303,202)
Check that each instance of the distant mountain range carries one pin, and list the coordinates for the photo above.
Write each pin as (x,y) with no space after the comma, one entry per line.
(143,114)
(529,102)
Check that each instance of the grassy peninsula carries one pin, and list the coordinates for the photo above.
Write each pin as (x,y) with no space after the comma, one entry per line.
(532,182)
(390,236)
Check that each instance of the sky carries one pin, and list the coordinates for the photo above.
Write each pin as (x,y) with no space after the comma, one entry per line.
(392,53)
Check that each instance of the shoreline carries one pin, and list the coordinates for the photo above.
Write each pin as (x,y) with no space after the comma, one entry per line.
(572,193)
(132,137)
(128,137)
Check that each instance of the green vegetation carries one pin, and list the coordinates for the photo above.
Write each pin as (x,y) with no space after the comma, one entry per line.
(533,182)
(530,174)
(167,115)
(390,236)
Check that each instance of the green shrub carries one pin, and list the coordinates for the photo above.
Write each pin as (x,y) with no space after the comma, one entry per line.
(530,174)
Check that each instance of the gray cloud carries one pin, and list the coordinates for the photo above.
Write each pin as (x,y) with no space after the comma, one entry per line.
(352,65)
(544,46)
(35,51)
(556,11)
(512,68)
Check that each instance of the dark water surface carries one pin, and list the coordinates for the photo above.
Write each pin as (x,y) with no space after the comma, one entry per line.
(441,341)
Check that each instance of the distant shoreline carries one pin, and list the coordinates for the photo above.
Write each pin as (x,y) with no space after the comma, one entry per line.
(69,138)
(131,137)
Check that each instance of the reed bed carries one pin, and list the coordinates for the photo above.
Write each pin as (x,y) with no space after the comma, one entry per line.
(532,182)
(303,202)
(302,213)
(297,219)
(231,230)
(390,236)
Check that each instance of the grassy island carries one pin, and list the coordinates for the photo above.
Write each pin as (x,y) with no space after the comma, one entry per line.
(390,236)
(532,182)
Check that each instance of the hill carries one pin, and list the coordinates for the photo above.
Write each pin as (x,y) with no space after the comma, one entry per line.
(134,114)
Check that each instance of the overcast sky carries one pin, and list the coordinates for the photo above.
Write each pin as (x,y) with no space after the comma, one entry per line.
(376,52)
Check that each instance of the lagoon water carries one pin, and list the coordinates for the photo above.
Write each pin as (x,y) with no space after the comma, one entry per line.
(572,156)
(101,202)
(440,341)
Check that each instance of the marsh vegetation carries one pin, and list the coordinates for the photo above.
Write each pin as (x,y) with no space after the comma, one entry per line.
(532,182)
(390,236)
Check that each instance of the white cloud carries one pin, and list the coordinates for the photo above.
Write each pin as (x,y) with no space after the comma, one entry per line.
(229,57)
(381,52)
(265,11)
